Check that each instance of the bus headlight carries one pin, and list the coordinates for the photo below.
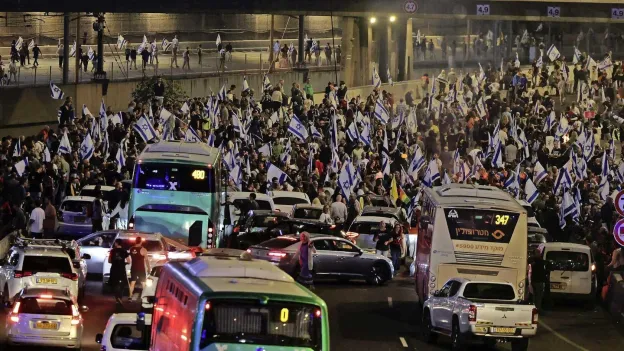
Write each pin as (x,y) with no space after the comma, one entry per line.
(520,291)
(432,278)
(521,285)
(432,285)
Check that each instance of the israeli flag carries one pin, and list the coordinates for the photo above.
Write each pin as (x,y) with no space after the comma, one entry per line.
(145,129)
(553,53)
(497,159)
(105,145)
(315,133)
(87,148)
(376,79)
(85,111)
(347,179)
(603,188)
(398,121)
(568,208)
(432,173)
(550,121)
(385,154)
(380,112)
(353,132)
(20,167)
(185,108)
(564,180)
(236,174)
(31,45)
(116,119)
(285,156)
(121,159)
(481,107)
(512,182)
(590,145)
(222,95)
(604,64)
(121,42)
(18,43)
(64,146)
(91,54)
(365,136)
(389,77)
(72,52)
(530,190)
(266,83)
(191,136)
(46,155)
(17,148)
(298,129)
(446,179)
(577,56)
(611,149)
(211,140)
(56,92)
(274,172)
(539,62)
(266,150)
(334,130)
(218,41)
(165,45)
(620,172)
(417,162)
(245,84)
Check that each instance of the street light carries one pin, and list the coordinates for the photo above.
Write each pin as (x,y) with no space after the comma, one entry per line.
(392,18)
(373,20)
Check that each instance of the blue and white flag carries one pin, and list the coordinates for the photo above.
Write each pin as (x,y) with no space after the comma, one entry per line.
(481,107)
(145,129)
(266,150)
(222,95)
(389,77)
(398,120)
(611,149)
(191,136)
(352,132)
(365,136)
(315,133)
(238,126)
(17,148)
(64,146)
(120,158)
(285,156)
(85,111)
(298,129)
(87,148)
(274,172)
(620,172)
(539,173)
(121,42)
(105,145)
(347,179)
(446,179)
(563,181)
(417,162)
(604,64)
(432,174)
(166,45)
(46,155)
(266,83)
(245,84)
(376,80)
(20,167)
(91,54)
(550,121)
(218,40)
(530,190)
(553,53)
(497,159)
(526,152)
(576,58)
(380,112)
(211,140)
(589,145)
(568,208)
(513,182)
(56,92)
(385,155)
(236,174)
(102,109)
(18,43)
(540,62)
(603,188)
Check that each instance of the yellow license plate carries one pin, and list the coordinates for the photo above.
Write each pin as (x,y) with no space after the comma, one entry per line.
(557,286)
(47,281)
(502,330)
(46,325)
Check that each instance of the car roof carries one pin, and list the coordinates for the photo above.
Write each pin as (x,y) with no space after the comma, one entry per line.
(180,152)
(297,194)
(235,195)
(102,187)
(373,219)
(457,195)
(44,251)
(222,252)
(145,236)
(128,318)
(79,198)
(570,246)
(377,209)
(258,213)
(308,206)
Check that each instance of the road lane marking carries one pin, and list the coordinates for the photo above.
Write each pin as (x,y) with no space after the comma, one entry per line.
(403,342)
(560,336)
(390,302)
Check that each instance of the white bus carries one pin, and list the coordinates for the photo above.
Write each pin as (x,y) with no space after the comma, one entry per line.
(470,231)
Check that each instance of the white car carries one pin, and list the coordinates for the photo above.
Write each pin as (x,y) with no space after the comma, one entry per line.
(40,264)
(572,270)
(363,230)
(238,205)
(126,331)
(486,311)
(74,216)
(285,200)
(149,290)
(98,246)
(45,317)
(89,190)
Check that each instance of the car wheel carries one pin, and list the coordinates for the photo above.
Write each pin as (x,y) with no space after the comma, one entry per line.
(456,338)
(520,345)
(378,275)
(427,333)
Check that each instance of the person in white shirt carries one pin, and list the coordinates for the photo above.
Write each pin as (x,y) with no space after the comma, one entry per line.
(325,217)
(174,48)
(339,210)
(36,221)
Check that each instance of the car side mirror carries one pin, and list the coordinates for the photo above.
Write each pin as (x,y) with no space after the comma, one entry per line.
(86,256)
(84,309)
(98,338)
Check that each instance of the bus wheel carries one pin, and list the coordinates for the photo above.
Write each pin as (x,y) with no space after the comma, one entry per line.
(378,275)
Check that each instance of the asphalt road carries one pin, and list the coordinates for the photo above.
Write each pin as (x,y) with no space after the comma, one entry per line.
(364,317)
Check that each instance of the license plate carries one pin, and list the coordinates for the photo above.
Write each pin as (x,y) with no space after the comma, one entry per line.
(557,286)
(47,281)
(502,330)
(46,325)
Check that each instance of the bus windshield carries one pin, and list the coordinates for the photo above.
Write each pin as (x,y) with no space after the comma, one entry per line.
(174,177)
(481,225)
(275,323)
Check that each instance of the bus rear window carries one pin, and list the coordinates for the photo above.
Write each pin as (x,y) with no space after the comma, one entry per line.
(174,177)
(481,225)
(489,291)
(274,323)
(568,261)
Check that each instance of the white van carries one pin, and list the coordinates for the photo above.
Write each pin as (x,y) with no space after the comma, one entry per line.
(126,331)
(572,270)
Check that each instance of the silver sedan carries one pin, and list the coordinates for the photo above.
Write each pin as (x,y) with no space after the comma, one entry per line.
(334,258)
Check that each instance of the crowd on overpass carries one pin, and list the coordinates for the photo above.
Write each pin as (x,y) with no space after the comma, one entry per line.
(496,125)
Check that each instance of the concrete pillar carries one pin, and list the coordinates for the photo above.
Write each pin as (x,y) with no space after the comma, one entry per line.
(404,42)
(347,51)
(300,42)
(384,48)
(357,52)
(78,46)
(366,44)
(67,44)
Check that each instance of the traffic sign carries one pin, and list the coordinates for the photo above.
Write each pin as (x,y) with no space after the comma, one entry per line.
(553,11)
(619,203)
(483,9)
(617,13)
(410,6)
(618,232)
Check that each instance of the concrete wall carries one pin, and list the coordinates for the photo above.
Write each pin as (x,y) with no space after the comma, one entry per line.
(25,111)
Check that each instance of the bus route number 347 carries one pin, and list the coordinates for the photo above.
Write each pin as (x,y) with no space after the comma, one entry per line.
(501,219)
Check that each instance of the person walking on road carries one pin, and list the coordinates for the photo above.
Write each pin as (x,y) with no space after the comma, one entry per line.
(36,221)
(145,56)
(199,55)
(228,52)
(118,280)
(396,247)
(383,240)
(174,49)
(154,53)
(59,53)
(538,277)
(139,266)
(36,53)
(97,211)
(186,59)
(306,261)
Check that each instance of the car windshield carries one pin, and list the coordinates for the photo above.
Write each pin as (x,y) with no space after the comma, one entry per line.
(308,213)
(106,195)
(129,337)
(243,205)
(568,261)
(49,264)
(289,201)
(40,305)
(489,291)
(149,245)
(76,206)
(276,323)
(263,221)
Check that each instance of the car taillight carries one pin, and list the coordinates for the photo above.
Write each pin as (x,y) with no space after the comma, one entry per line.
(20,274)
(534,316)
(130,226)
(72,276)
(14,319)
(158,256)
(248,250)
(277,254)
(211,238)
(16,307)
(236,229)
(472,313)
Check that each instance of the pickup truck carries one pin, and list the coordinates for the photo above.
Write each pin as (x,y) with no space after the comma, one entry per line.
(484,311)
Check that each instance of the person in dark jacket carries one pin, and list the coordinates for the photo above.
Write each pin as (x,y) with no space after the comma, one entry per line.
(118,257)
(538,279)
(606,212)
